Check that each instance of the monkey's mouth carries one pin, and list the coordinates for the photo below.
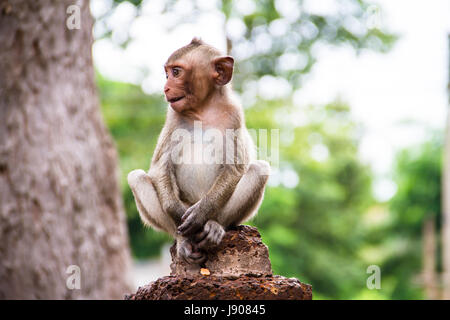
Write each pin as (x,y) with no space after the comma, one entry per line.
(175,99)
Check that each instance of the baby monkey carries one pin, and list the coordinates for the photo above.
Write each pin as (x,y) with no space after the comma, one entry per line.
(204,176)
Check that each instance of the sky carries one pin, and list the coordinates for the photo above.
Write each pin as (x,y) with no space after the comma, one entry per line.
(384,91)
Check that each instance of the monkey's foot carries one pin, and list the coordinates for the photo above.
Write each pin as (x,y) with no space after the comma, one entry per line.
(189,252)
(211,235)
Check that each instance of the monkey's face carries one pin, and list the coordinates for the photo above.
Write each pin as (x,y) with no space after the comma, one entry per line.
(175,87)
(194,77)
(187,84)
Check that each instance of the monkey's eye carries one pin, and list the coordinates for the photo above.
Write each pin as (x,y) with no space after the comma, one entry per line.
(175,71)
(167,75)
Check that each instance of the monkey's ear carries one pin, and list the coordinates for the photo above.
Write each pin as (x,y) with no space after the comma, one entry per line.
(223,70)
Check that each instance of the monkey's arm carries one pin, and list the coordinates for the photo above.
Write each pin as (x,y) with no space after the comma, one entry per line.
(208,207)
(166,188)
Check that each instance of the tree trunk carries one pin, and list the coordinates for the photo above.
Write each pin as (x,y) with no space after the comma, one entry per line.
(60,203)
(429,259)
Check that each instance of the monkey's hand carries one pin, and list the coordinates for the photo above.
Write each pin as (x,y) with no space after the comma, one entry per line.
(190,252)
(211,235)
(193,220)
(175,209)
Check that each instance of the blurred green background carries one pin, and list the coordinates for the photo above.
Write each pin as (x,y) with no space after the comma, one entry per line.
(324,227)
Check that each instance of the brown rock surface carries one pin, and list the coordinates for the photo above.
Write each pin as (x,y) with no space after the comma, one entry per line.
(241,252)
(223,288)
(238,269)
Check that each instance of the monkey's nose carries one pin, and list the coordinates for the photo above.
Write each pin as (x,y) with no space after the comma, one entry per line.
(166,89)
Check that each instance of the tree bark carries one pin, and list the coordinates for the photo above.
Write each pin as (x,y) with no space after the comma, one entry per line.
(429,259)
(60,203)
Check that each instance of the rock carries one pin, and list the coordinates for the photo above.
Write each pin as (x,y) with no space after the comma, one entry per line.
(238,269)
(241,252)
(222,288)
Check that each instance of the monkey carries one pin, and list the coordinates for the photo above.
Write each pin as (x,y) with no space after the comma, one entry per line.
(196,202)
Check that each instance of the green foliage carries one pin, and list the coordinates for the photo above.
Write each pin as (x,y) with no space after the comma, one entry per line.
(418,178)
(293,39)
(289,38)
(314,230)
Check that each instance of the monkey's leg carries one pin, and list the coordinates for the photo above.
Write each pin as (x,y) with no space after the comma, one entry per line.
(242,205)
(247,196)
(152,214)
(148,203)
